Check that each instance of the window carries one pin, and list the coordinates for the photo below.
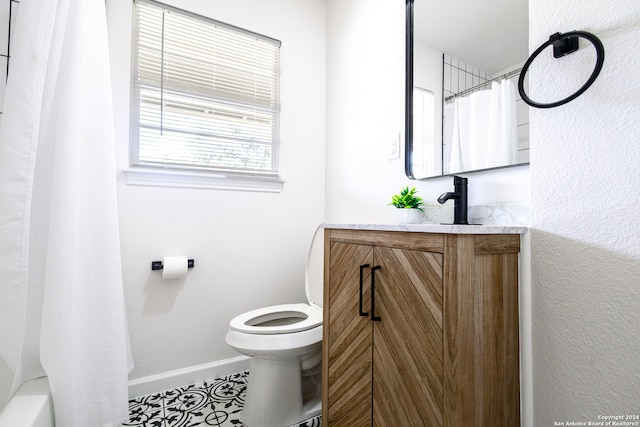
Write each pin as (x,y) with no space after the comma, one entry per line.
(205,95)
(425,148)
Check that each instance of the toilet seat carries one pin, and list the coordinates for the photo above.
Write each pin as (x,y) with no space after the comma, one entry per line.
(301,317)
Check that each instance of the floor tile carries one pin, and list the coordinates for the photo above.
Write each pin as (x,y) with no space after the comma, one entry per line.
(212,403)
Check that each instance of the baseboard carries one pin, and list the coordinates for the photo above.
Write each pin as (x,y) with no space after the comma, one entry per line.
(186,376)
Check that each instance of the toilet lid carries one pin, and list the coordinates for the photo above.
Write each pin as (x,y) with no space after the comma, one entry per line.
(314,273)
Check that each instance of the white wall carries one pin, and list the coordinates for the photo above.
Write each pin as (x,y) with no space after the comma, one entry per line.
(249,247)
(365,106)
(585,234)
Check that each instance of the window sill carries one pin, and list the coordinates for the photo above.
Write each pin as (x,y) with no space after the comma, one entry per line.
(206,180)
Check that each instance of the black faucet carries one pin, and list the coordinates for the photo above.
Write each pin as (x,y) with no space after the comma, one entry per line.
(460,200)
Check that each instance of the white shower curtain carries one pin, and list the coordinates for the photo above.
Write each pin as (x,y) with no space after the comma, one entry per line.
(484,129)
(502,141)
(62,310)
(470,131)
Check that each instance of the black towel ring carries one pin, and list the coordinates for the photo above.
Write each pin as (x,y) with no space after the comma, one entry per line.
(563,44)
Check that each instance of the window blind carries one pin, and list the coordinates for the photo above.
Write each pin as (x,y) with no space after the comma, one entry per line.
(205,94)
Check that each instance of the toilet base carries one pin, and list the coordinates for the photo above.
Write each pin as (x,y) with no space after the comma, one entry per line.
(274,397)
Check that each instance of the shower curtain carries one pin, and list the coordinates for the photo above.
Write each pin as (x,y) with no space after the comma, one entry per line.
(484,129)
(62,310)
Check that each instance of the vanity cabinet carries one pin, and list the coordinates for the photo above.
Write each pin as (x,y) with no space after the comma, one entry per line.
(420,329)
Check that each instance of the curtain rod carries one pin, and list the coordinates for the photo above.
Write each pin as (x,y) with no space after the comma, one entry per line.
(478,86)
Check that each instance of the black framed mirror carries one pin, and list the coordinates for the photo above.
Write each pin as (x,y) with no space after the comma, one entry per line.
(463,112)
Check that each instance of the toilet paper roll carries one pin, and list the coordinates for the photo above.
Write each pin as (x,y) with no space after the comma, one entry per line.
(174,267)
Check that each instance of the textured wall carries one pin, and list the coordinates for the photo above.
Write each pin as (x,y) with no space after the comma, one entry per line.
(585,170)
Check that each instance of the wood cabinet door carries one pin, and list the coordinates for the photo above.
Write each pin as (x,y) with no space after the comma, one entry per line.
(349,337)
(408,340)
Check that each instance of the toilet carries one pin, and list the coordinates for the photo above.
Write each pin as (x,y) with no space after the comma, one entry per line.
(285,345)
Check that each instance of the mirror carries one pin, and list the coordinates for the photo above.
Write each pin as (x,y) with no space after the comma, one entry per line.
(463,110)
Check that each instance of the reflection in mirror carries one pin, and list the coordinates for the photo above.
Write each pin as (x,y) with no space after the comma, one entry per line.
(424,140)
(464,112)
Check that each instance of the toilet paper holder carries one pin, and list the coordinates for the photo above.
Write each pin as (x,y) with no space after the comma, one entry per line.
(157,265)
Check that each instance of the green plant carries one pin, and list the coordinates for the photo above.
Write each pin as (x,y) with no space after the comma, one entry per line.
(407,199)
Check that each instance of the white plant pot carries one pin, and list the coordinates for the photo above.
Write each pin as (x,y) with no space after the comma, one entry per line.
(409,216)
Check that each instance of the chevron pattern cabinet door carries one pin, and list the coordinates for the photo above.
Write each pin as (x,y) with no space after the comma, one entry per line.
(348,337)
(442,349)
(407,357)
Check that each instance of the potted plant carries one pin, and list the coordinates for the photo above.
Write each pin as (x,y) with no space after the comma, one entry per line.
(409,206)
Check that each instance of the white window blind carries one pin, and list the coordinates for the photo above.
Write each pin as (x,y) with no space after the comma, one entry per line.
(205,94)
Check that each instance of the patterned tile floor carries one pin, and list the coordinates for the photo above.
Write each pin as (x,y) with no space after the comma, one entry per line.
(212,403)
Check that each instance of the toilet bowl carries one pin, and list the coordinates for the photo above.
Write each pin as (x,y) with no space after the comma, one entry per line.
(285,345)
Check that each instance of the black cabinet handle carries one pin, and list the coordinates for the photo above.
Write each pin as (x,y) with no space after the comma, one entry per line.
(362,267)
(373,292)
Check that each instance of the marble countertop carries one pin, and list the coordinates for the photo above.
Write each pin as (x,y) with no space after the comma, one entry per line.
(435,228)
